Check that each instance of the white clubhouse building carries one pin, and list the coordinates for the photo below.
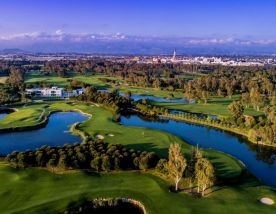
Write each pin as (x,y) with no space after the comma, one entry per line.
(53,92)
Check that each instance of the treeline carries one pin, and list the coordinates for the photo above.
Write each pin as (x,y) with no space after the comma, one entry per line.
(255,82)
(144,107)
(10,91)
(111,100)
(95,155)
(261,129)
(9,94)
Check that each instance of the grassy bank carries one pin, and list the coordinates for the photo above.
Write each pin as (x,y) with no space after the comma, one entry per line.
(39,191)
(215,106)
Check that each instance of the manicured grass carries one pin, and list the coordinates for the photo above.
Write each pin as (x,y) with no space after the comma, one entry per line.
(151,91)
(35,77)
(215,106)
(38,191)
(23,117)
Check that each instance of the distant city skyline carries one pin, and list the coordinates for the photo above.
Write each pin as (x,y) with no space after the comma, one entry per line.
(43,25)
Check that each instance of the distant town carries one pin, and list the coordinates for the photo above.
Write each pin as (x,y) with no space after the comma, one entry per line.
(266,60)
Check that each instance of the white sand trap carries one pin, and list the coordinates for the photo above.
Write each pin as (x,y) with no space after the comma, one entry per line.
(267,201)
(100,137)
(111,135)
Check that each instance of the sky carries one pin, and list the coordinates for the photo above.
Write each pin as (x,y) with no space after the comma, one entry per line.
(239,19)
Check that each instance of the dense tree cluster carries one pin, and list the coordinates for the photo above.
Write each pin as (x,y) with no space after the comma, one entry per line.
(9,94)
(144,107)
(97,155)
(109,99)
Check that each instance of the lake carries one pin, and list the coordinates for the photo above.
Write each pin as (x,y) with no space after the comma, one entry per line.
(56,133)
(3,115)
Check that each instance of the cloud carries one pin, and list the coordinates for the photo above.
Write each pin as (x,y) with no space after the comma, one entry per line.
(60,36)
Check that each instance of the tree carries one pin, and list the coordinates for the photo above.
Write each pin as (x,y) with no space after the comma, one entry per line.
(176,163)
(256,98)
(246,99)
(128,95)
(144,163)
(51,164)
(236,108)
(96,164)
(204,174)
(229,89)
(106,164)
(21,157)
(205,96)
(250,121)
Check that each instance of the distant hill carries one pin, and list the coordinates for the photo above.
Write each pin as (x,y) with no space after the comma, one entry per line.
(12,51)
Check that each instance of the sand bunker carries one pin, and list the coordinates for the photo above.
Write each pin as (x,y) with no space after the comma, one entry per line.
(100,137)
(111,135)
(267,201)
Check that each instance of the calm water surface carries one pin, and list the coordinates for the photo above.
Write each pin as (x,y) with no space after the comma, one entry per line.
(3,115)
(260,161)
(56,133)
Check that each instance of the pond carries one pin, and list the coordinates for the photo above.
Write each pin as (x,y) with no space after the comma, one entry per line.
(56,133)
(4,112)
(137,97)
(260,161)
(3,115)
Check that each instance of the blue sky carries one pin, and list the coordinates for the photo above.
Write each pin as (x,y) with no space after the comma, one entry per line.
(195,18)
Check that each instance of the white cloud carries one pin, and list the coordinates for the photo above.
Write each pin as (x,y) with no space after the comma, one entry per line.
(59,36)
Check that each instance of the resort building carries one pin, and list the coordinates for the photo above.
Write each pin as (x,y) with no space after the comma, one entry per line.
(53,92)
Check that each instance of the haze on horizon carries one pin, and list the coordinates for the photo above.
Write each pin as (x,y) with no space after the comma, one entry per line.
(154,27)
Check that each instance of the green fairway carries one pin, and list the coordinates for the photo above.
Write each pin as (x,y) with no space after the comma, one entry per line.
(132,137)
(151,91)
(22,118)
(38,191)
(31,78)
(215,106)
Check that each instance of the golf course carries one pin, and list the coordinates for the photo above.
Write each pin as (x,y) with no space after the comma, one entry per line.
(35,190)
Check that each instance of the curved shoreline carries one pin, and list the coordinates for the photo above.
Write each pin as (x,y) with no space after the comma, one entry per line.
(219,127)
(44,117)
